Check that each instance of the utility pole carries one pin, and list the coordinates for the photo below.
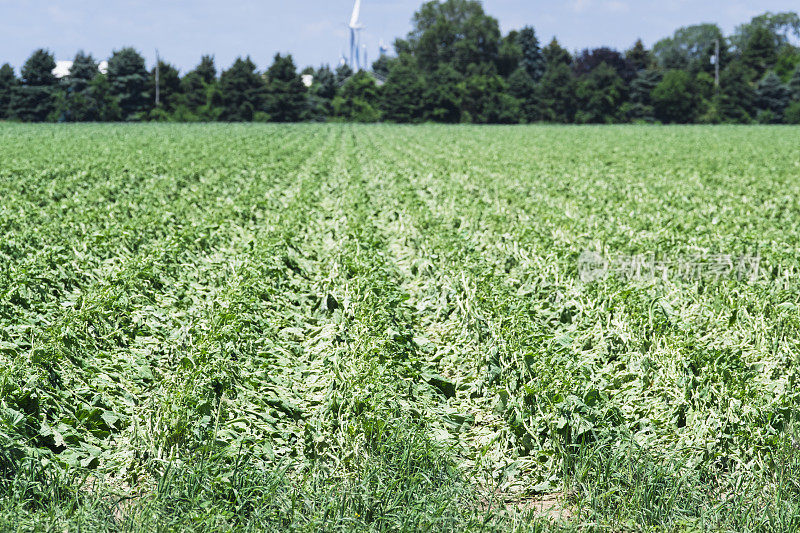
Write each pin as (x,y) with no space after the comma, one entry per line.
(158,89)
(716,65)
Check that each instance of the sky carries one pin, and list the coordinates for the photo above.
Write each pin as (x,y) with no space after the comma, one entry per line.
(315,31)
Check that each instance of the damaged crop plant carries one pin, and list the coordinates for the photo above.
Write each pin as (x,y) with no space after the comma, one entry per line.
(380,328)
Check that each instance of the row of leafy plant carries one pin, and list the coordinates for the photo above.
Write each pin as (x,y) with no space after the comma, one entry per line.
(350,327)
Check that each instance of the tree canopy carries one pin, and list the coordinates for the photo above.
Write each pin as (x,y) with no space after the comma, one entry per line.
(34,99)
(286,93)
(455,65)
(128,83)
(456,32)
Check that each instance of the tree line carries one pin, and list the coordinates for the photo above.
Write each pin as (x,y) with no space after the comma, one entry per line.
(454,66)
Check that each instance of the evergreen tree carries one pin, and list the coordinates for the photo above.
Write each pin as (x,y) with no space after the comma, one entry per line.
(554,54)
(243,91)
(35,99)
(640,103)
(402,94)
(325,83)
(600,94)
(8,86)
(207,70)
(81,105)
(382,65)
(195,88)
(556,91)
(343,73)
(286,93)
(358,100)
(585,62)
(128,80)
(737,97)
(675,99)
(194,92)
(760,53)
(642,86)
(322,93)
(772,98)
(100,93)
(522,87)
(532,58)
(444,93)
(638,57)
(509,54)
(83,70)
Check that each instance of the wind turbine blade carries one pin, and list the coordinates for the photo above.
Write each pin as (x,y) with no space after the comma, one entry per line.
(355,15)
(352,45)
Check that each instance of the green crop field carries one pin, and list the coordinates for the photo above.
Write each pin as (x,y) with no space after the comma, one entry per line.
(344,327)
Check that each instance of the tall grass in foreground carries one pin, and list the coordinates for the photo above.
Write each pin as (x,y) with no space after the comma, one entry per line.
(400,482)
(403,481)
(628,488)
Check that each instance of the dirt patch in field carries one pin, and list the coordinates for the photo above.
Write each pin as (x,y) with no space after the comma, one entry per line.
(553,506)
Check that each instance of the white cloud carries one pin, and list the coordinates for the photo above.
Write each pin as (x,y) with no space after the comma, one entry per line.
(614,6)
(316,28)
(579,6)
(617,6)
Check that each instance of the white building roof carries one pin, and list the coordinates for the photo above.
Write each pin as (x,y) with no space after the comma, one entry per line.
(63,67)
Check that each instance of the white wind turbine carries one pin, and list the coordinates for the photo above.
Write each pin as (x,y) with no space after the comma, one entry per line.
(355,36)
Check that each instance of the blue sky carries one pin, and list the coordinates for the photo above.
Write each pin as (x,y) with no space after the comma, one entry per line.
(314,31)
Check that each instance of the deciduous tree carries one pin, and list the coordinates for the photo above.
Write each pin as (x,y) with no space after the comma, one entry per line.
(691,48)
(794,84)
(675,99)
(456,32)
(358,99)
